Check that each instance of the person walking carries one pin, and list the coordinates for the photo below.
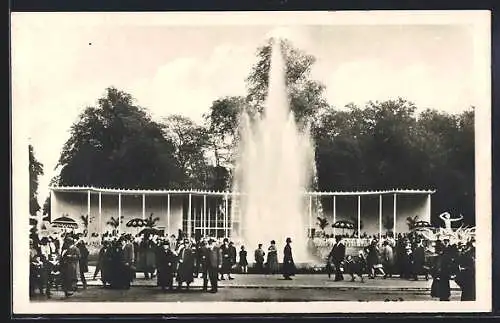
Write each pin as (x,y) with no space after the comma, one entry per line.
(259,259)
(387,258)
(336,257)
(418,261)
(466,276)
(226,260)
(232,257)
(243,263)
(288,263)
(185,267)
(83,261)
(104,263)
(272,258)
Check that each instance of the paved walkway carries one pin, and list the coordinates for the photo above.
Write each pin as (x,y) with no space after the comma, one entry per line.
(311,281)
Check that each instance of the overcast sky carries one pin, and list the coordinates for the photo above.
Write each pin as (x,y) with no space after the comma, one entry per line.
(62,64)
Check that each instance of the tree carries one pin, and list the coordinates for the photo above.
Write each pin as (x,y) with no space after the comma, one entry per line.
(151,221)
(85,220)
(116,144)
(35,170)
(191,143)
(114,223)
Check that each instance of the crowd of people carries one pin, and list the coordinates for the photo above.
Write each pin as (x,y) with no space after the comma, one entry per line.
(176,261)
(60,261)
(409,256)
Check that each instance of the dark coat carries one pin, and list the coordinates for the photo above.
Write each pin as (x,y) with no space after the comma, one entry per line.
(418,260)
(70,270)
(84,258)
(288,263)
(272,259)
(104,263)
(226,259)
(243,258)
(213,257)
(338,253)
(259,256)
(185,269)
(166,262)
(232,254)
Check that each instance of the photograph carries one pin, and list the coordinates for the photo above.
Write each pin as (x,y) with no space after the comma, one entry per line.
(251,162)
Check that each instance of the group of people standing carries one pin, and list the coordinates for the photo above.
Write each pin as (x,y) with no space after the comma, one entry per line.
(409,259)
(57,262)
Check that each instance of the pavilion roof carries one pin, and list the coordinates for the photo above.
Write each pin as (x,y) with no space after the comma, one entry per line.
(113,191)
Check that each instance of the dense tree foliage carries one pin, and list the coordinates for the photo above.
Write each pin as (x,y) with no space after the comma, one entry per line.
(116,144)
(36,170)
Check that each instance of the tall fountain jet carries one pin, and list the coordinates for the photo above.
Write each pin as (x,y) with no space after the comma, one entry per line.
(273,171)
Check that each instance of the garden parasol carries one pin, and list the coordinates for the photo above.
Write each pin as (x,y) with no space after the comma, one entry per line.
(342,224)
(136,223)
(64,222)
(150,231)
(422,224)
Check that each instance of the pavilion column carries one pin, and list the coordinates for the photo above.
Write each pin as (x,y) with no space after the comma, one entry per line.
(100,214)
(168,213)
(359,217)
(119,212)
(380,217)
(334,213)
(189,216)
(226,216)
(310,216)
(428,207)
(88,212)
(143,206)
(394,216)
(204,215)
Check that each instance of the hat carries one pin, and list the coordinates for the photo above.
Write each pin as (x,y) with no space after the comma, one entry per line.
(211,240)
(288,240)
(225,240)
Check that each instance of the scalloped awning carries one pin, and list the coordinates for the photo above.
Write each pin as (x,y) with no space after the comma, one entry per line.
(223,193)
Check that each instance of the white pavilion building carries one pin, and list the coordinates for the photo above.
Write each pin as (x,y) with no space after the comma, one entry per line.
(211,213)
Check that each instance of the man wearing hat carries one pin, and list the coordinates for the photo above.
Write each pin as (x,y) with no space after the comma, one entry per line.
(259,259)
(213,262)
(445,270)
(288,263)
(167,261)
(336,257)
(185,269)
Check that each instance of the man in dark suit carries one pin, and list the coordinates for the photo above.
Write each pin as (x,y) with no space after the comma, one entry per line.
(232,256)
(127,262)
(213,262)
(337,256)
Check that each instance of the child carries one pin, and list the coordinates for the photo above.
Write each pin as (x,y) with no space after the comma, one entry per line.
(356,266)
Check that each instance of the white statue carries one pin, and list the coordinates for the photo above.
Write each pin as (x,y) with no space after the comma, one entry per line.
(446,217)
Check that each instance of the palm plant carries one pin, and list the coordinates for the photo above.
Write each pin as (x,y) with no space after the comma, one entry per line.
(151,221)
(322,223)
(388,223)
(114,222)
(410,221)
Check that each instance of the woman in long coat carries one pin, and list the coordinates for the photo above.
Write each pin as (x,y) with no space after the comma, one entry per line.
(165,263)
(288,264)
(83,261)
(104,263)
(70,270)
(185,268)
(272,258)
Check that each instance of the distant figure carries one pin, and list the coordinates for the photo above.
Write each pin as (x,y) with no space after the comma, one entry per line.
(272,258)
(83,261)
(259,259)
(446,217)
(232,257)
(226,260)
(336,257)
(70,257)
(288,263)
(243,263)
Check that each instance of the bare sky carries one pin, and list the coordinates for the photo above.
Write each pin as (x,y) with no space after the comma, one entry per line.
(62,64)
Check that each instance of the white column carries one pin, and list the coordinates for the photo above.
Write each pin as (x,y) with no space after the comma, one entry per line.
(309,231)
(226,215)
(428,207)
(168,214)
(88,213)
(100,215)
(359,217)
(189,218)
(380,217)
(334,213)
(208,220)
(143,206)
(394,216)
(119,212)
(204,215)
